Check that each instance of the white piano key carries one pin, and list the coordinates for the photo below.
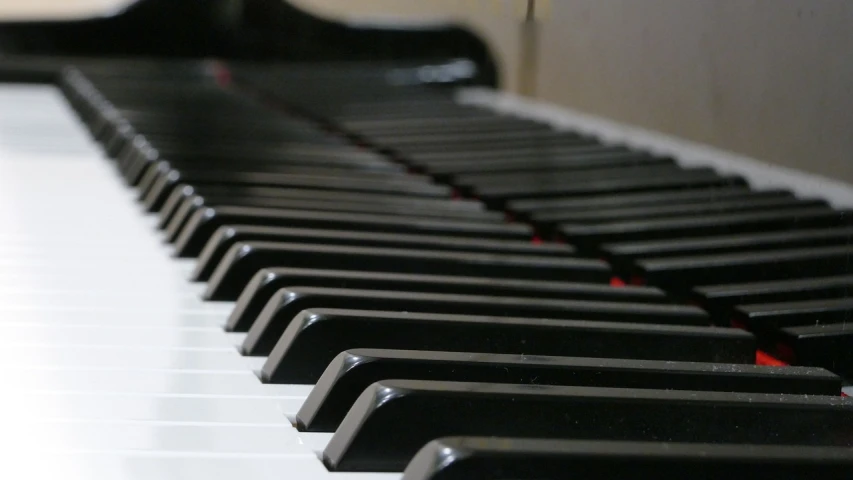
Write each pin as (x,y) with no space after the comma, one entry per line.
(105,380)
(127,358)
(164,337)
(144,408)
(44,316)
(164,466)
(71,436)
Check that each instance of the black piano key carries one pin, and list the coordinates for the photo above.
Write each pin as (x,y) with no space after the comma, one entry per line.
(165,175)
(439,205)
(163,187)
(269,281)
(552,177)
(771,316)
(317,335)
(203,223)
(705,225)
(284,305)
(489,458)
(351,372)
(828,346)
(447,157)
(244,260)
(497,196)
(624,200)
(722,297)
(664,211)
(225,237)
(427,211)
(581,161)
(429,143)
(624,252)
(417,411)
(748,266)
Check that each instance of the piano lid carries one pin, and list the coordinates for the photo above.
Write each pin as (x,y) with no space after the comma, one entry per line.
(254,30)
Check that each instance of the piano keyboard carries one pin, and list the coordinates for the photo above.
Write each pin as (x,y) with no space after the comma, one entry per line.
(263,273)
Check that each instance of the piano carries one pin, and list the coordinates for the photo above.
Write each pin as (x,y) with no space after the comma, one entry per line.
(243,242)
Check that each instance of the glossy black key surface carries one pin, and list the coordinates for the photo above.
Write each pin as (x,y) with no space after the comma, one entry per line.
(225,237)
(624,252)
(482,458)
(203,223)
(193,204)
(624,200)
(828,346)
(721,297)
(163,187)
(286,303)
(748,266)
(267,282)
(802,313)
(580,161)
(552,177)
(664,211)
(182,192)
(244,260)
(497,195)
(316,336)
(704,225)
(351,372)
(417,411)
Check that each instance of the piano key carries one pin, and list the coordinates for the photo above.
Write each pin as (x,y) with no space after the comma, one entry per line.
(556,176)
(244,260)
(284,305)
(195,203)
(581,161)
(664,197)
(351,372)
(419,411)
(691,226)
(748,266)
(497,196)
(722,297)
(765,316)
(183,202)
(495,458)
(664,211)
(226,237)
(625,252)
(204,223)
(269,281)
(163,187)
(826,346)
(315,336)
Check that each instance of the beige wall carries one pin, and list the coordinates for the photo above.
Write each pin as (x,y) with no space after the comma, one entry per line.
(772,79)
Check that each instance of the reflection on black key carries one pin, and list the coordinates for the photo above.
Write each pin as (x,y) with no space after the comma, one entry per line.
(203,223)
(225,237)
(702,226)
(244,260)
(789,314)
(680,272)
(721,297)
(417,411)
(316,336)
(267,282)
(351,372)
(284,305)
(827,346)
(623,253)
(463,458)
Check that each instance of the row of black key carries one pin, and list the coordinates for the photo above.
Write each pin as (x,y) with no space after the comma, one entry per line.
(462,300)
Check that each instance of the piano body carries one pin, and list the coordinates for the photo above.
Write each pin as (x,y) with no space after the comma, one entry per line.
(240,241)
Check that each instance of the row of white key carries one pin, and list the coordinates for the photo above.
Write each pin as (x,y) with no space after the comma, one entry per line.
(111,366)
